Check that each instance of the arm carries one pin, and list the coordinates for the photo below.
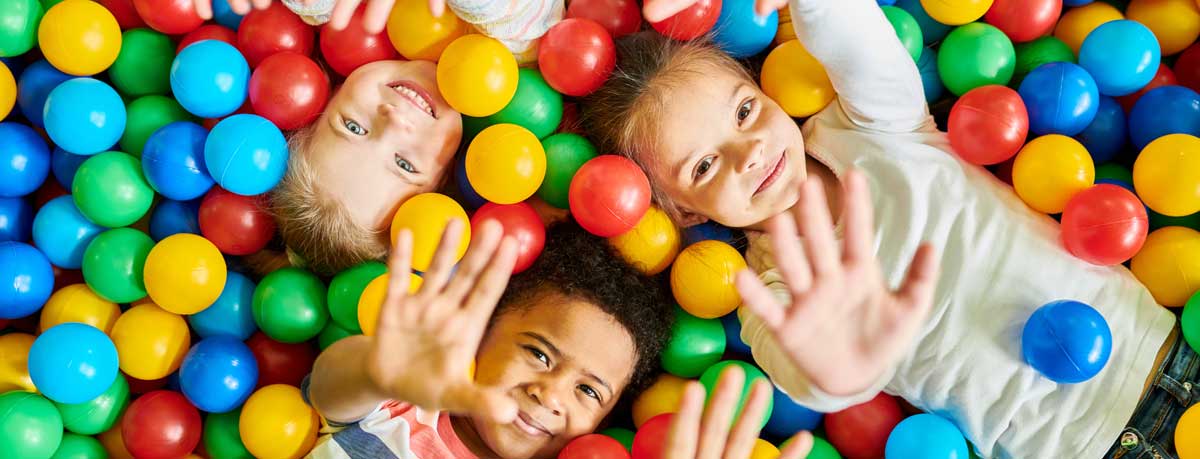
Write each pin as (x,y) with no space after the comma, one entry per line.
(339,387)
(516,23)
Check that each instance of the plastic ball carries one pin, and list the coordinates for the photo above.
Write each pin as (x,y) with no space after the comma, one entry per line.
(593,446)
(246,154)
(576,56)
(223,14)
(63,233)
(1122,56)
(78,303)
(84,116)
(1107,135)
(1024,20)
(346,288)
(702,279)
(692,22)
(975,55)
(1041,51)
(1189,323)
(753,374)
(1168,264)
(174,217)
(173,17)
(956,12)
(664,396)
(650,441)
(426,216)
(30,427)
(931,30)
(371,300)
(652,245)
(789,417)
(417,34)
(929,436)
(742,32)
(237,225)
(622,435)
(160,425)
(184,274)
(232,314)
(34,85)
(609,195)
(143,66)
(350,48)
(14,362)
(1187,67)
(19,21)
(1187,434)
(64,165)
(332,333)
(8,90)
(218,374)
(72,363)
(1050,170)
(75,446)
(79,37)
(709,231)
(109,189)
(16,220)
(536,107)
(506,163)
(907,29)
(113,264)
(1175,23)
(151,342)
(98,414)
(619,17)
(277,423)
(1166,177)
(695,345)
(281,363)
(862,430)
(521,223)
(764,450)
(145,116)
(477,75)
(289,305)
(1077,23)
(796,80)
(1164,77)
(276,29)
(565,154)
(173,161)
(1163,111)
(1061,98)
(208,32)
(1067,341)
(289,89)
(733,336)
(221,437)
(1104,225)
(988,125)
(24,160)
(210,79)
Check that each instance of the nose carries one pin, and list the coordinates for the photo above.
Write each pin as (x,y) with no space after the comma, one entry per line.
(745,153)
(546,394)
(394,119)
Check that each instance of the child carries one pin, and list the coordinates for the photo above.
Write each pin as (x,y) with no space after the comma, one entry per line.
(746,167)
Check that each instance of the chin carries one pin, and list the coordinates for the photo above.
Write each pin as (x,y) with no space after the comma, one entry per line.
(507,442)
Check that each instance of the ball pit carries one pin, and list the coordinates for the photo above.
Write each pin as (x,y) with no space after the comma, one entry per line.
(1062,98)
(692,22)
(144,117)
(702,279)
(535,106)
(246,154)
(426,216)
(62,233)
(788,417)
(1104,225)
(506,164)
(1034,54)
(650,441)
(975,55)
(753,375)
(1190,322)
(161,424)
(477,75)
(1187,434)
(796,80)
(281,363)
(695,345)
(174,217)
(371,301)
(110,190)
(144,63)
(1166,175)
(345,290)
(956,12)
(98,414)
(417,34)
(1024,20)
(78,303)
(151,342)
(577,55)
(289,305)
(30,427)
(1067,341)
(210,79)
(277,423)
(173,161)
(8,90)
(208,32)
(79,37)
(593,446)
(84,116)
(232,314)
(24,160)
(1169,264)
(931,30)
(184,274)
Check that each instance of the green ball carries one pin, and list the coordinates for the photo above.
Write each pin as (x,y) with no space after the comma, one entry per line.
(221,437)
(709,380)
(111,191)
(907,29)
(565,154)
(289,305)
(47,4)
(472,126)
(146,115)
(695,345)
(822,450)
(30,427)
(975,55)
(98,414)
(19,21)
(1033,54)
(113,262)
(332,334)
(1190,323)
(75,446)
(143,66)
(625,436)
(1114,171)
(536,106)
(344,290)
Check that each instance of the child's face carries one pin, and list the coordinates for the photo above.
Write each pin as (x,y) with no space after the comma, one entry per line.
(727,152)
(385,136)
(564,361)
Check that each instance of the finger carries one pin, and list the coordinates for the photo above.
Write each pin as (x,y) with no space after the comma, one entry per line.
(204,9)
(491,283)
(261,4)
(816,229)
(799,447)
(718,415)
(919,284)
(750,421)
(657,10)
(241,7)
(789,255)
(685,424)
(858,218)
(391,314)
(759,299)
(437,7)
(444,259)
(765,7)
(343,10)
(484,245)
(375,19)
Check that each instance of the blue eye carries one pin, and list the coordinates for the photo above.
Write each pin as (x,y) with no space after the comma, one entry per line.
(405,165)
(588,391)
(354,127)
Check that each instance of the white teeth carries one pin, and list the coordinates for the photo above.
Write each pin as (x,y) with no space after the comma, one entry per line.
(414,98)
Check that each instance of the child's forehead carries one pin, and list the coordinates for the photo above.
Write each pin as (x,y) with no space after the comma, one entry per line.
(577,328)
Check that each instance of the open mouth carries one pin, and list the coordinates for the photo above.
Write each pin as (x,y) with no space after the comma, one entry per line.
(415,95)
(530,426)
(773,175)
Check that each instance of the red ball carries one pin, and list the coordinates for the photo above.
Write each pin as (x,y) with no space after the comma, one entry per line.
(609,195)
(208,32)
(692,22)
(861,431)
(273,30)
(1024,20)
(172,17)
(237,225)
(281,363)
(1187,67)
(988,125)
(650,441)
(1163,77)
(125,13)
(576,56)
(619,17)
(1104,225)
(594,446)
(350,48)
(289,89)
(520,222)
(161,425)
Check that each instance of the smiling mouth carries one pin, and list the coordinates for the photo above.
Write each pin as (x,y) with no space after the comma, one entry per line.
(415,95)
(530,426)
(773,175)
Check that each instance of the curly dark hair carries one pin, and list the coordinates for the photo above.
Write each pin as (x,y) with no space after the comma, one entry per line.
(577,264)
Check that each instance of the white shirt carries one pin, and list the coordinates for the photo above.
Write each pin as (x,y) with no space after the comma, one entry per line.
(1000,261)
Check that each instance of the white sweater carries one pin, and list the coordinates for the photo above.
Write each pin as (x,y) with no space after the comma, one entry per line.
(1000,261)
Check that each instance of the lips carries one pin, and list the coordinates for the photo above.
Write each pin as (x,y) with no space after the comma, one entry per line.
(774,174)
(530,426)
(415,95)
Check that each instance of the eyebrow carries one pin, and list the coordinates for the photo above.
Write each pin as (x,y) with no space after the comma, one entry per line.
(558,354)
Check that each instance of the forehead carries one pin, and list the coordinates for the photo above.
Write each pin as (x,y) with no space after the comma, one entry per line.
(693,105)
(578,329)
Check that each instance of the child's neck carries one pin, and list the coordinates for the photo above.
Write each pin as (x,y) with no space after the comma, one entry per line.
(465,430)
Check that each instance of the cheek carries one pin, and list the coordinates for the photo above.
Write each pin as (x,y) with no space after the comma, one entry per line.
(498,367)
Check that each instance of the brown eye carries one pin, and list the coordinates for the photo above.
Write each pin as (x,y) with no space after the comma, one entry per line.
(703,167)
(744,111)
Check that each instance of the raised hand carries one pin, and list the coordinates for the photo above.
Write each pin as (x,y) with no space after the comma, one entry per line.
(657,10)
(374,19)
(426,342)
(844,327)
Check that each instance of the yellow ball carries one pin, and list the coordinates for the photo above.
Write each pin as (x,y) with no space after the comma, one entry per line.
(1049,171)
(652,245)
(114,442)
(371,301)
(661,397)
(416,34)
(1175,23)
(150,342)
(956,12)
(506,163)
(1169,265)
(79,37)
(184,273)
(477,75)
(1077,23)
(78,303)
(8,91)
(1187,434)
(276,423)
(702,279)
(764,450)
(1166,175)
(795,80)
(14,362)
(426,216)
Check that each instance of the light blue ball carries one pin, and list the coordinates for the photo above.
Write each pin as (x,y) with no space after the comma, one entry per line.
(24,160)
(1061,98)
(930,79)
(1162,111)
(72,363)
(16,220)
(64,164)
(926,436)
(741,32)
(173,161)
(218,374)
(246,154)
(173,217)
(788,417)
(26,280)
(210,79)
(34,86)
(63,233)
(931,30)
(84,116)
(1122,56)
(232,314)
(1067,341)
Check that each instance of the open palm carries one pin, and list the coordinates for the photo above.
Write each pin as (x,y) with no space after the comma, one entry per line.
(657,10)
(374,18)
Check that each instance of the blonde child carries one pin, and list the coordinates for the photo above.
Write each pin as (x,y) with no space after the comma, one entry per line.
(716,148)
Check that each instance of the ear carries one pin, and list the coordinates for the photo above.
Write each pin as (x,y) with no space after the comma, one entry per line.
(689,219)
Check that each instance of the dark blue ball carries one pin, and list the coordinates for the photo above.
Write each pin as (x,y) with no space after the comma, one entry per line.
(34,86)
(64,164)
(174,217)
(1067,341)
(16,220)
(1106,136)
(1164,110)
(788,417)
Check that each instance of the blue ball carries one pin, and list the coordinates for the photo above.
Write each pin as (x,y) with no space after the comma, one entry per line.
(1067,341)
(741,32)
(470,197)
(14,63)
(733,335)
(708,231)
(246,154)
(64,164)
(232,314)
(34,87)
(1074,3)
(84,116)
(1164,110)
(26,280)
(16,220)
(1122,56)
(218,374)
(174,217)
(1106,136)
(173,160)
(210,78)
(788,417)
(885,2)
(72,363)
(224,15)
(63,233)
(24,160)
(926,436)
(930,79)
(1061,99)
(931,30)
